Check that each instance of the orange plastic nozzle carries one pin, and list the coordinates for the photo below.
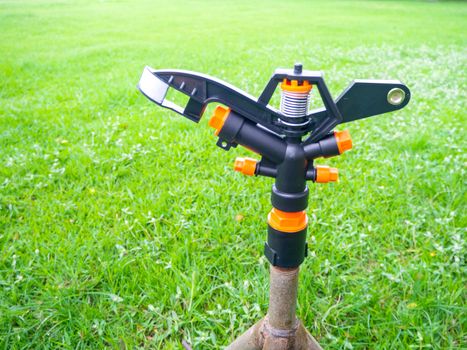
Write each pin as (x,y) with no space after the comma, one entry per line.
(218,118)
(294,86)
(245,166)
(343,140)
(326,174)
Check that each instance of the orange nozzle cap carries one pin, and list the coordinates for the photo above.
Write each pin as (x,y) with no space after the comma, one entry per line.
(218,118)
(326,174)
(294,86)
(287,222)
(343,140)
(245,166)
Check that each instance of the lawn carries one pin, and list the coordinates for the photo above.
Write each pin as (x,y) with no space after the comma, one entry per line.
(122,225)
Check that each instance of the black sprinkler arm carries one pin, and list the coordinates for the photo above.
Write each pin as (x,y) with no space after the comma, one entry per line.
(365,98)
(361,99)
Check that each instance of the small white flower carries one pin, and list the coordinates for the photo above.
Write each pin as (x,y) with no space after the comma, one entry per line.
(391,277)
(348,345)
(246,284)
(115,298)
(127,211)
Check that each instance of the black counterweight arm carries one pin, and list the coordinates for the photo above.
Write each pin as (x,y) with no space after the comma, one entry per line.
(362,99)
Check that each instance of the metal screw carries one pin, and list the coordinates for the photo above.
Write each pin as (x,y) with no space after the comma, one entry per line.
(297,69)
(396,96)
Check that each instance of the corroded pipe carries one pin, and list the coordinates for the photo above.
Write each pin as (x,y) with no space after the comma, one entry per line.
(280,329)
(283,298)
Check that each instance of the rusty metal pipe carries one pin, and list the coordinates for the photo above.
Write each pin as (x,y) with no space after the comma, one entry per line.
(250,340)
(280,329)
(283,298)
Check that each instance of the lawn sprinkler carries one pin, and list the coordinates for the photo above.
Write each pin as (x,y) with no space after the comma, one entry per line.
(288,141)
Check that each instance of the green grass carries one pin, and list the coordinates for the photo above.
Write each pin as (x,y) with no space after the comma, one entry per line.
(118,219)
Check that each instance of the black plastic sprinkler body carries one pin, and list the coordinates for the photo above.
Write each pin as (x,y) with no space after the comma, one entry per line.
(288,141)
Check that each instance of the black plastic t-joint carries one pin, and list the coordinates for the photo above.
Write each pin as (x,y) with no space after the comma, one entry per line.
(290,192)
(238,130)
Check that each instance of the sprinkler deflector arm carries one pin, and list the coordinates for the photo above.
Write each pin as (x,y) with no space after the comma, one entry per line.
(361,99)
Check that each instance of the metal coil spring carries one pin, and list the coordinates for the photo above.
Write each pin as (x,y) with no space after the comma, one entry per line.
(294,104)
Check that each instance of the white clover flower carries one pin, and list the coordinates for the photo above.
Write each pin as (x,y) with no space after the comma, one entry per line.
(115,298)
